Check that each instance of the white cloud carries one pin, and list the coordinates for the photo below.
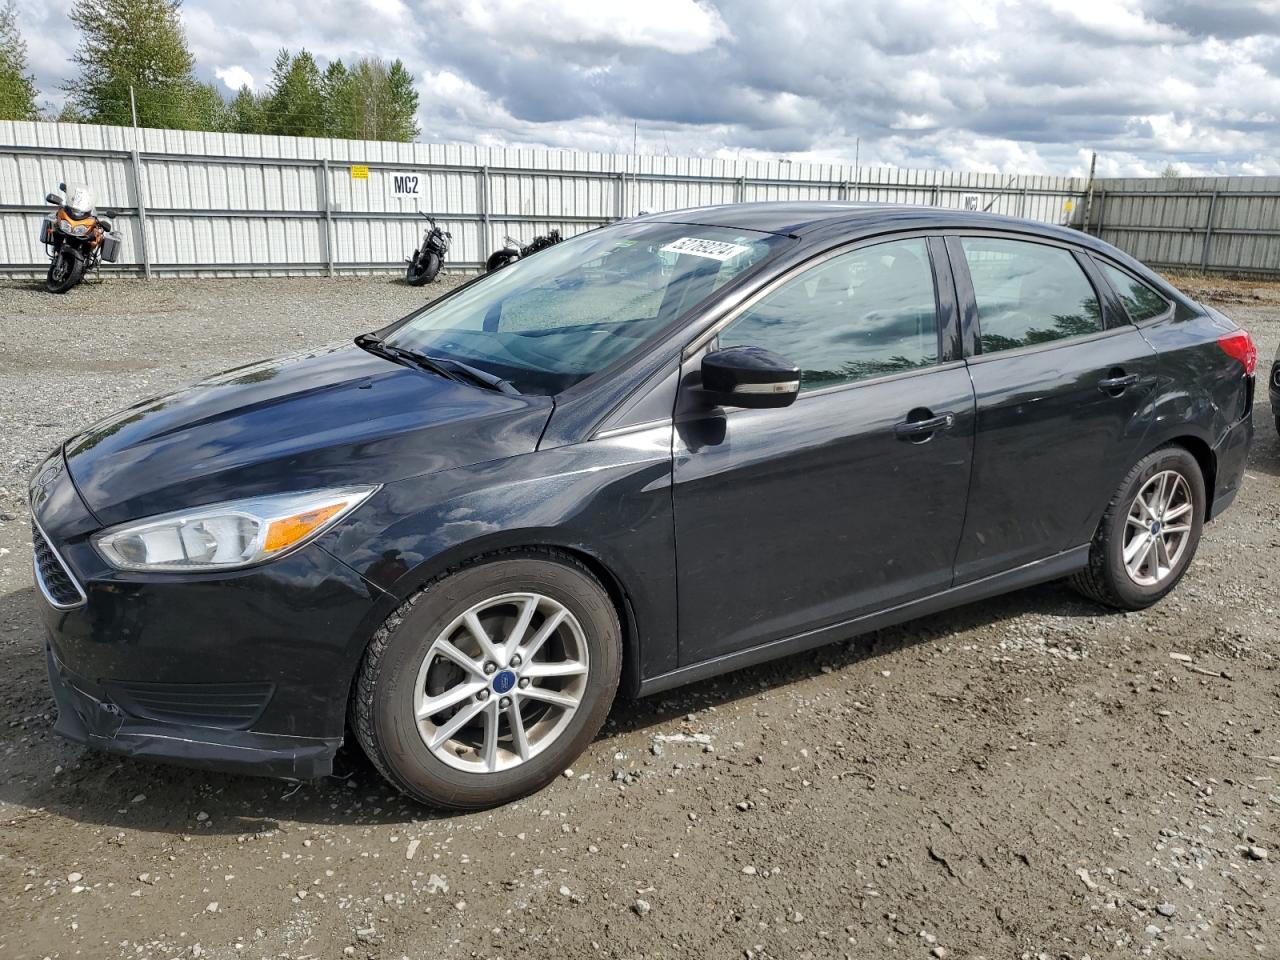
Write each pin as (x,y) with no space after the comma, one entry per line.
(233,77)
(1015,86)
(674,26)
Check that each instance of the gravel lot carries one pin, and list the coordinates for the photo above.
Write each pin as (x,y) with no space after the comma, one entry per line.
(1027,777)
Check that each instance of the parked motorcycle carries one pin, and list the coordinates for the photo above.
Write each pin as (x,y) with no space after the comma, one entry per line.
(426,261)
(513,251)
(76,239)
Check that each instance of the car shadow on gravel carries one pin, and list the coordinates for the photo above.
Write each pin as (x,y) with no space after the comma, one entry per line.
(1053,599)
(87,786)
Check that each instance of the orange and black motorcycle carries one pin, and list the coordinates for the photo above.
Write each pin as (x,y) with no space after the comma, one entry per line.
(76,238)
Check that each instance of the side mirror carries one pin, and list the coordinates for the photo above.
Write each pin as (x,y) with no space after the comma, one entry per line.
(750,377)
(62,187)
(54,198)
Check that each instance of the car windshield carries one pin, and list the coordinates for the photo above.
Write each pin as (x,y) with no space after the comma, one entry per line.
(549,321)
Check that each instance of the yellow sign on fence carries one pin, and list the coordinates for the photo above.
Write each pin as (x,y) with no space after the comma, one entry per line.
(359,172)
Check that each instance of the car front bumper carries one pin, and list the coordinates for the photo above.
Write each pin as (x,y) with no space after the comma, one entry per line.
(87,714)
(246,671)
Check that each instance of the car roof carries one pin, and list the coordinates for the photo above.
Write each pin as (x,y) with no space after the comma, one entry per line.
(810,219)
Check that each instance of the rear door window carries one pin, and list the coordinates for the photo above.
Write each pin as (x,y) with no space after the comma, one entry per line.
(1028,293)
(1140,301)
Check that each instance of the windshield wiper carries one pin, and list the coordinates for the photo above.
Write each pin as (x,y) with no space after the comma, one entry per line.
(448,368)
(476,375)
(408,358)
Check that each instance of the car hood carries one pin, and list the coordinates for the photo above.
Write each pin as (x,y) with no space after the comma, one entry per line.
(327,417)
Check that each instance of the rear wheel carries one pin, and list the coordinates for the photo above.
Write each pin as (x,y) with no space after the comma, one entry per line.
(499,259)
(490,681)
(1148,534)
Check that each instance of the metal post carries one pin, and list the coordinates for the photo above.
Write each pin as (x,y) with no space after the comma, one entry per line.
(137,189)
(142,213)
(328,215)
(1208,233)
(1088,200)
(1102,211)
(1022,203)
(486,239)
(741,190)
(620,196)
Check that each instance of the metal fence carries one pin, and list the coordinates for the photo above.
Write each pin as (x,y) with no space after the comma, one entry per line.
(195,203)
(1226,225)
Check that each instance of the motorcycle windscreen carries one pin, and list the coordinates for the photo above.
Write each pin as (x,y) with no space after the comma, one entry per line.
(79,200)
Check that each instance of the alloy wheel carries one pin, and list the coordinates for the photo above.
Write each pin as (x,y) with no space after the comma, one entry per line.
(1158,528)
(501,682)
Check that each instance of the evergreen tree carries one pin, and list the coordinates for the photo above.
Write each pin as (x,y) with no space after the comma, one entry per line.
(17,87)
(295,105)
(138,43)
(338,100)
(246,113)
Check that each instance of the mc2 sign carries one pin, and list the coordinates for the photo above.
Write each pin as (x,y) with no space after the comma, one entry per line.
(406,185)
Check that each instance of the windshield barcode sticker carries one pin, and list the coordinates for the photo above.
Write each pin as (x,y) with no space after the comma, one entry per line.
(711,249)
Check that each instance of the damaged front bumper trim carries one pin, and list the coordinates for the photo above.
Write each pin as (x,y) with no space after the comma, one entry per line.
(101,724)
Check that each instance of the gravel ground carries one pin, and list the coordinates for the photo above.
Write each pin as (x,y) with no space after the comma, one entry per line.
(1031,776)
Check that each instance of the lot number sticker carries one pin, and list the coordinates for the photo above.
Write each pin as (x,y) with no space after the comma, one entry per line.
(711,249)
(406,185)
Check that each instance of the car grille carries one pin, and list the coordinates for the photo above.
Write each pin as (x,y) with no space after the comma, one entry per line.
(55,580)
(229,706)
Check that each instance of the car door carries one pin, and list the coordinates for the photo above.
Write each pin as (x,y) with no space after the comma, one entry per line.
(1062,382)
(852,498)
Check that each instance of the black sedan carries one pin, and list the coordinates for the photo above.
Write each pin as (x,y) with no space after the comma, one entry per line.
(652,453)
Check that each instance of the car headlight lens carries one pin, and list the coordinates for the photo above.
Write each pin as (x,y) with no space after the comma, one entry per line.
(227,535)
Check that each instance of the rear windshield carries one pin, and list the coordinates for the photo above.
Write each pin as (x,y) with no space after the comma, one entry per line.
(557,317)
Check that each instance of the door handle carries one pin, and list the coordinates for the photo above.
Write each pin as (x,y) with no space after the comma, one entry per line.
(1116,385)
(917,429)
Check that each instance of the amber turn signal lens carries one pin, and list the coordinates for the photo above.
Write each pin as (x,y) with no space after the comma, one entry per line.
(286,532)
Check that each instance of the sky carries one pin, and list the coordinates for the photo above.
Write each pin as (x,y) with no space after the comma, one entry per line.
(975,85)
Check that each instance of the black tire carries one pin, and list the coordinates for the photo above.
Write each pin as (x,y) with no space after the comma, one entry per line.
(66,270)
(431,269)
(422,269)
(499,259)
(1106,579)
(382,700)
(1278,424)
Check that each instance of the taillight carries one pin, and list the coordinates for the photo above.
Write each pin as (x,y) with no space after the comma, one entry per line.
(1240,346)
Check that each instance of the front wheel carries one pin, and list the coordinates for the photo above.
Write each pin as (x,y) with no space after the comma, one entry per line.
(1148,534)
(422,269)
(490,681)
(65,271)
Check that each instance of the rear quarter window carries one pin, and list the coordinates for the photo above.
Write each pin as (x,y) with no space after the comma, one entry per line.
(1141,302)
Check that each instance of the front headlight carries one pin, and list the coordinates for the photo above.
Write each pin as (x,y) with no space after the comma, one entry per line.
(224,536)
(64,226)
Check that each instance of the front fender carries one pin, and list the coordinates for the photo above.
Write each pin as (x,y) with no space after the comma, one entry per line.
(608,499)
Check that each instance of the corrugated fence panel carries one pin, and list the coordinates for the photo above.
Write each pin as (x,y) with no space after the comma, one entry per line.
(224,204)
